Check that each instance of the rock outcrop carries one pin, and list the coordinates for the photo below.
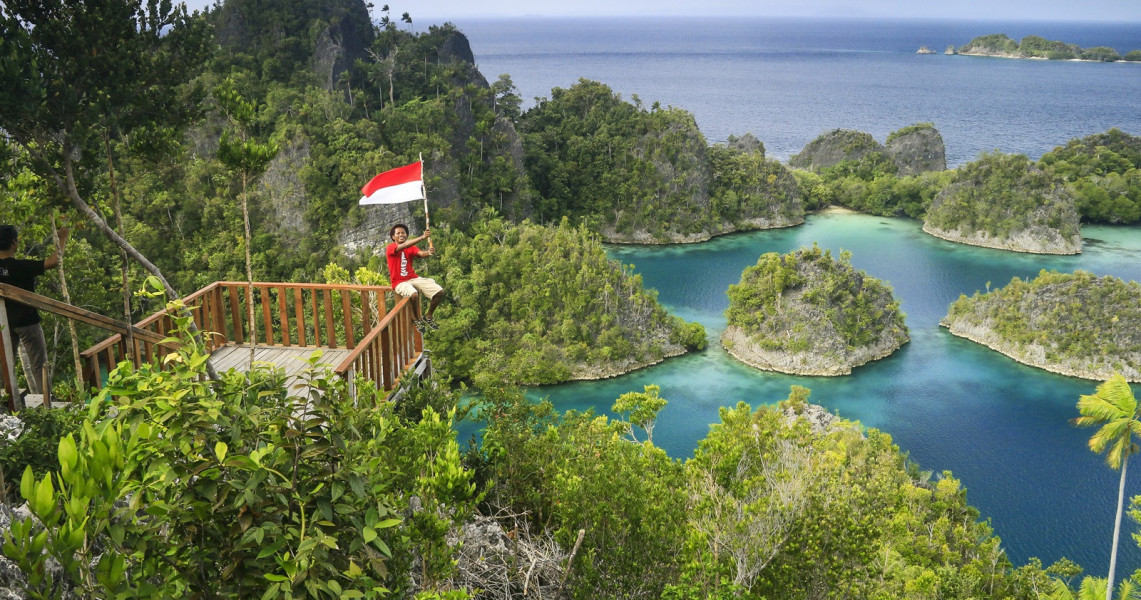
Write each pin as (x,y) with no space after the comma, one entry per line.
(912,150)
(336,34)
(805,313)
(917,149)
(834,147)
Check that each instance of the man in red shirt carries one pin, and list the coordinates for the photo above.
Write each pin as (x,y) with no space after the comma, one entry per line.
(403,277)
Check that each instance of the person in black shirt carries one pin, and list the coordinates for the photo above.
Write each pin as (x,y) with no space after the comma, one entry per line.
(24,320)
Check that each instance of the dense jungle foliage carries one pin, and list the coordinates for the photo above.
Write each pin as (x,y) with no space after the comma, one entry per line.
(766,507)
(646,175)
(808,301)
(1078,318)
(1033,46)
(326,497)
(1103,172)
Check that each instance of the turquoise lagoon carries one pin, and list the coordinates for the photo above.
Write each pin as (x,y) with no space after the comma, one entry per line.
(1001,427)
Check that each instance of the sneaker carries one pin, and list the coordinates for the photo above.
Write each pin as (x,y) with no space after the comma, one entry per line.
(420,324)
(431,324)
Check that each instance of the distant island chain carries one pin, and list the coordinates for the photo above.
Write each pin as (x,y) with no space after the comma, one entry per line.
(1035,47)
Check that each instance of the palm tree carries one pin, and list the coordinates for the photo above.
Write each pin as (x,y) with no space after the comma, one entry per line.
(1115,409)
(1092,588)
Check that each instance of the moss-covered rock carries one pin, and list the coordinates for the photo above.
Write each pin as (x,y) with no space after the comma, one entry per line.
(911,150)
(834,147)
(807,313)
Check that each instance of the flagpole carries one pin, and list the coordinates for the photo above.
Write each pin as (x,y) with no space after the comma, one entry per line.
(424,192)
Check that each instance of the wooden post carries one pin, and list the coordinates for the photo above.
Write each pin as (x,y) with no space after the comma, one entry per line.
(299,310)
(235,307)
(8,354)
(347,316)
(283,314)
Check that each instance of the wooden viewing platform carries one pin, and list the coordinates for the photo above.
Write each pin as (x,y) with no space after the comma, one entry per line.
(354,326)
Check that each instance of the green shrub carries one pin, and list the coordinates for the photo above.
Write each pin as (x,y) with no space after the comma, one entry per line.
(36,446)
(188,485)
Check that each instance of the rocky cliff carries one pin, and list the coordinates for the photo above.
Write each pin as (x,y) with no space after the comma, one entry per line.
(834,147)
(917,149)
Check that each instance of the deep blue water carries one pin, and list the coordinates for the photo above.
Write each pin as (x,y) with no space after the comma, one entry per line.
(788,80)
(1001,427)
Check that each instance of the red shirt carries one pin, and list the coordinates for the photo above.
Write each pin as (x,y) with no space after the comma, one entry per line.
(400,263)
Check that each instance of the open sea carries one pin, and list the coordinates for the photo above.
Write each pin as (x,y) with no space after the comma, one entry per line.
(1000,427)
(786,81)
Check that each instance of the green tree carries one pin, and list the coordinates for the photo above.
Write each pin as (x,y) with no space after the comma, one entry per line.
(507,100)
(77,71)
(1114,408)
(248,157)
(643,408)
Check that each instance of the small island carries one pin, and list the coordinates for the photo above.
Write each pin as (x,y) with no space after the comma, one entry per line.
(1032,46)
(806,313)
(1004,201)
(1075,324)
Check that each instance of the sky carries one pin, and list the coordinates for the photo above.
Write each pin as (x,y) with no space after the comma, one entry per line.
(438,11)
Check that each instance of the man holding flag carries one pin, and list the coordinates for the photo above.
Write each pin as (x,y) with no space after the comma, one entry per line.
(405,184)
(404,279)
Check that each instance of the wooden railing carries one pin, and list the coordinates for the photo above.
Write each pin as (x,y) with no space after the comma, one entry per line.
(389,350)
(298,315)
(7,348)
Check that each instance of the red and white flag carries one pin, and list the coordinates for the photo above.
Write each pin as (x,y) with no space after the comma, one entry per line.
(402,184)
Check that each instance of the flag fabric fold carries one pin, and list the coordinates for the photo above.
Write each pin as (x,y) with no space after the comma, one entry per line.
(402,184)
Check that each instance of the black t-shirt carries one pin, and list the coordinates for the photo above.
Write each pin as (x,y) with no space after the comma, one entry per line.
(21,273)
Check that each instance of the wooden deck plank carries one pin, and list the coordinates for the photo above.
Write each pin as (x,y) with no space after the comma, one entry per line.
(292,360)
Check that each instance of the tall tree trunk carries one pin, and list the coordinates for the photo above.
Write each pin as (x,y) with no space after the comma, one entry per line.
(67,299)
(1116,530)
(129,338)
(249,268)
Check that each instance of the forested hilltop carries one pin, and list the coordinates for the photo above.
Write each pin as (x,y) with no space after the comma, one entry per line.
(648,176)
(1004,201)
(1033,46)
(807,313)
(1075,324)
